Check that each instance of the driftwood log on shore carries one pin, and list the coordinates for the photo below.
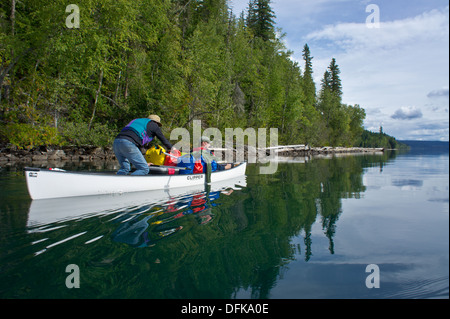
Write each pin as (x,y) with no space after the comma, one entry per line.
(294,151)
(305,150)
(91,153)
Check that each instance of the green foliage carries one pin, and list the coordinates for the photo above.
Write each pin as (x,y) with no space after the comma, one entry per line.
(78,134)
(29,136)
(184,60)
(381,140)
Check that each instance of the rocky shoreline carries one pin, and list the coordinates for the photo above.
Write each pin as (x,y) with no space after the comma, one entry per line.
(11,156)
(58,154)
(64,153)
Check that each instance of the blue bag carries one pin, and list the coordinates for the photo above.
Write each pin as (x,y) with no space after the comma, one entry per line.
(186,161)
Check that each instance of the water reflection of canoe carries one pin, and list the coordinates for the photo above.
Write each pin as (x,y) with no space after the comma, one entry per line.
(47,211)
(48,183)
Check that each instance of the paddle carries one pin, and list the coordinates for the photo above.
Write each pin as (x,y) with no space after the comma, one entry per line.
(170,155)
(174,167)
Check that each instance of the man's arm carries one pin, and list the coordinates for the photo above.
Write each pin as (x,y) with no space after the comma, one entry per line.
(155,130)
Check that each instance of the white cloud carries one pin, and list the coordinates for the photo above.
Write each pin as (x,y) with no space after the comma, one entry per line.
(431,25)
(405,62)
(401,63)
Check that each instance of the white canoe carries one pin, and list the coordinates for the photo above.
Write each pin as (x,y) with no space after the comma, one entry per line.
(54,210)
(55,183)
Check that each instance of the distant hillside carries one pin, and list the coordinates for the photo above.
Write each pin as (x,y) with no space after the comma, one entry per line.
(372,139)
(427,147)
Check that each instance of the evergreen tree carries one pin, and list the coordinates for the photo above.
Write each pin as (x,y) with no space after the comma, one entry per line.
(334,79)
(325,100)
(336,120)
(261,19)
(252,16)
(309,87)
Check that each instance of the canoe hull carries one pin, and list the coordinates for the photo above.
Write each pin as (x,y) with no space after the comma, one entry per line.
(47,183)
(54,210)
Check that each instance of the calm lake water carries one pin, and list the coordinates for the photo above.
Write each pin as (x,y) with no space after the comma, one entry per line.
(308,231)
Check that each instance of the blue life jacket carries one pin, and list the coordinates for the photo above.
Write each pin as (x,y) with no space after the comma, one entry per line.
(204,163)
(186,161)
(139,126)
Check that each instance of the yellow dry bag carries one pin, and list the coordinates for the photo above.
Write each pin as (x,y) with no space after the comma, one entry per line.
(155,155)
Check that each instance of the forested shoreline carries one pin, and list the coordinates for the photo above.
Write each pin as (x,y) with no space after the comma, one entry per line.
(69,81)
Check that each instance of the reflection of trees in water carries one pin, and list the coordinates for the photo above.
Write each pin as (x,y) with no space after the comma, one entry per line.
(250,240)
(288,203)
(244,247)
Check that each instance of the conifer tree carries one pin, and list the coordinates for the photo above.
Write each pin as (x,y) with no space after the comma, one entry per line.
(331,92)
(251,19)
(335,80)
(309,87)
(261,19)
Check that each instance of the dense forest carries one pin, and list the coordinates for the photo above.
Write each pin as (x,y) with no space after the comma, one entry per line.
(75,75)
(381,139)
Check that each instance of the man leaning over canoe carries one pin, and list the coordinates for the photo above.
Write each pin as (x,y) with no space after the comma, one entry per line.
(127,144)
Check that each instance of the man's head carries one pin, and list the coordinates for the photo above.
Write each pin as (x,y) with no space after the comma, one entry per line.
(205,142)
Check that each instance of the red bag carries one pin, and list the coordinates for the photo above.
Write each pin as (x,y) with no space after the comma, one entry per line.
(198,167)
(172,161)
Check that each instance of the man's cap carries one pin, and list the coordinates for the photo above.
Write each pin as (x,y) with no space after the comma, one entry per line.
(155,118)
(205,139)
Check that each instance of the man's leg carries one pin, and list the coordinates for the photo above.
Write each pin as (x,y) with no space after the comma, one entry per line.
(120,150)
(138,160)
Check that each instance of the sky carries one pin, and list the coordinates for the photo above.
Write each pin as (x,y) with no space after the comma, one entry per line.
(393,56)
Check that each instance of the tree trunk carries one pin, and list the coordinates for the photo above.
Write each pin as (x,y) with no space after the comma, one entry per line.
(126,88)
(117,86)
(13,16)
(97,94)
